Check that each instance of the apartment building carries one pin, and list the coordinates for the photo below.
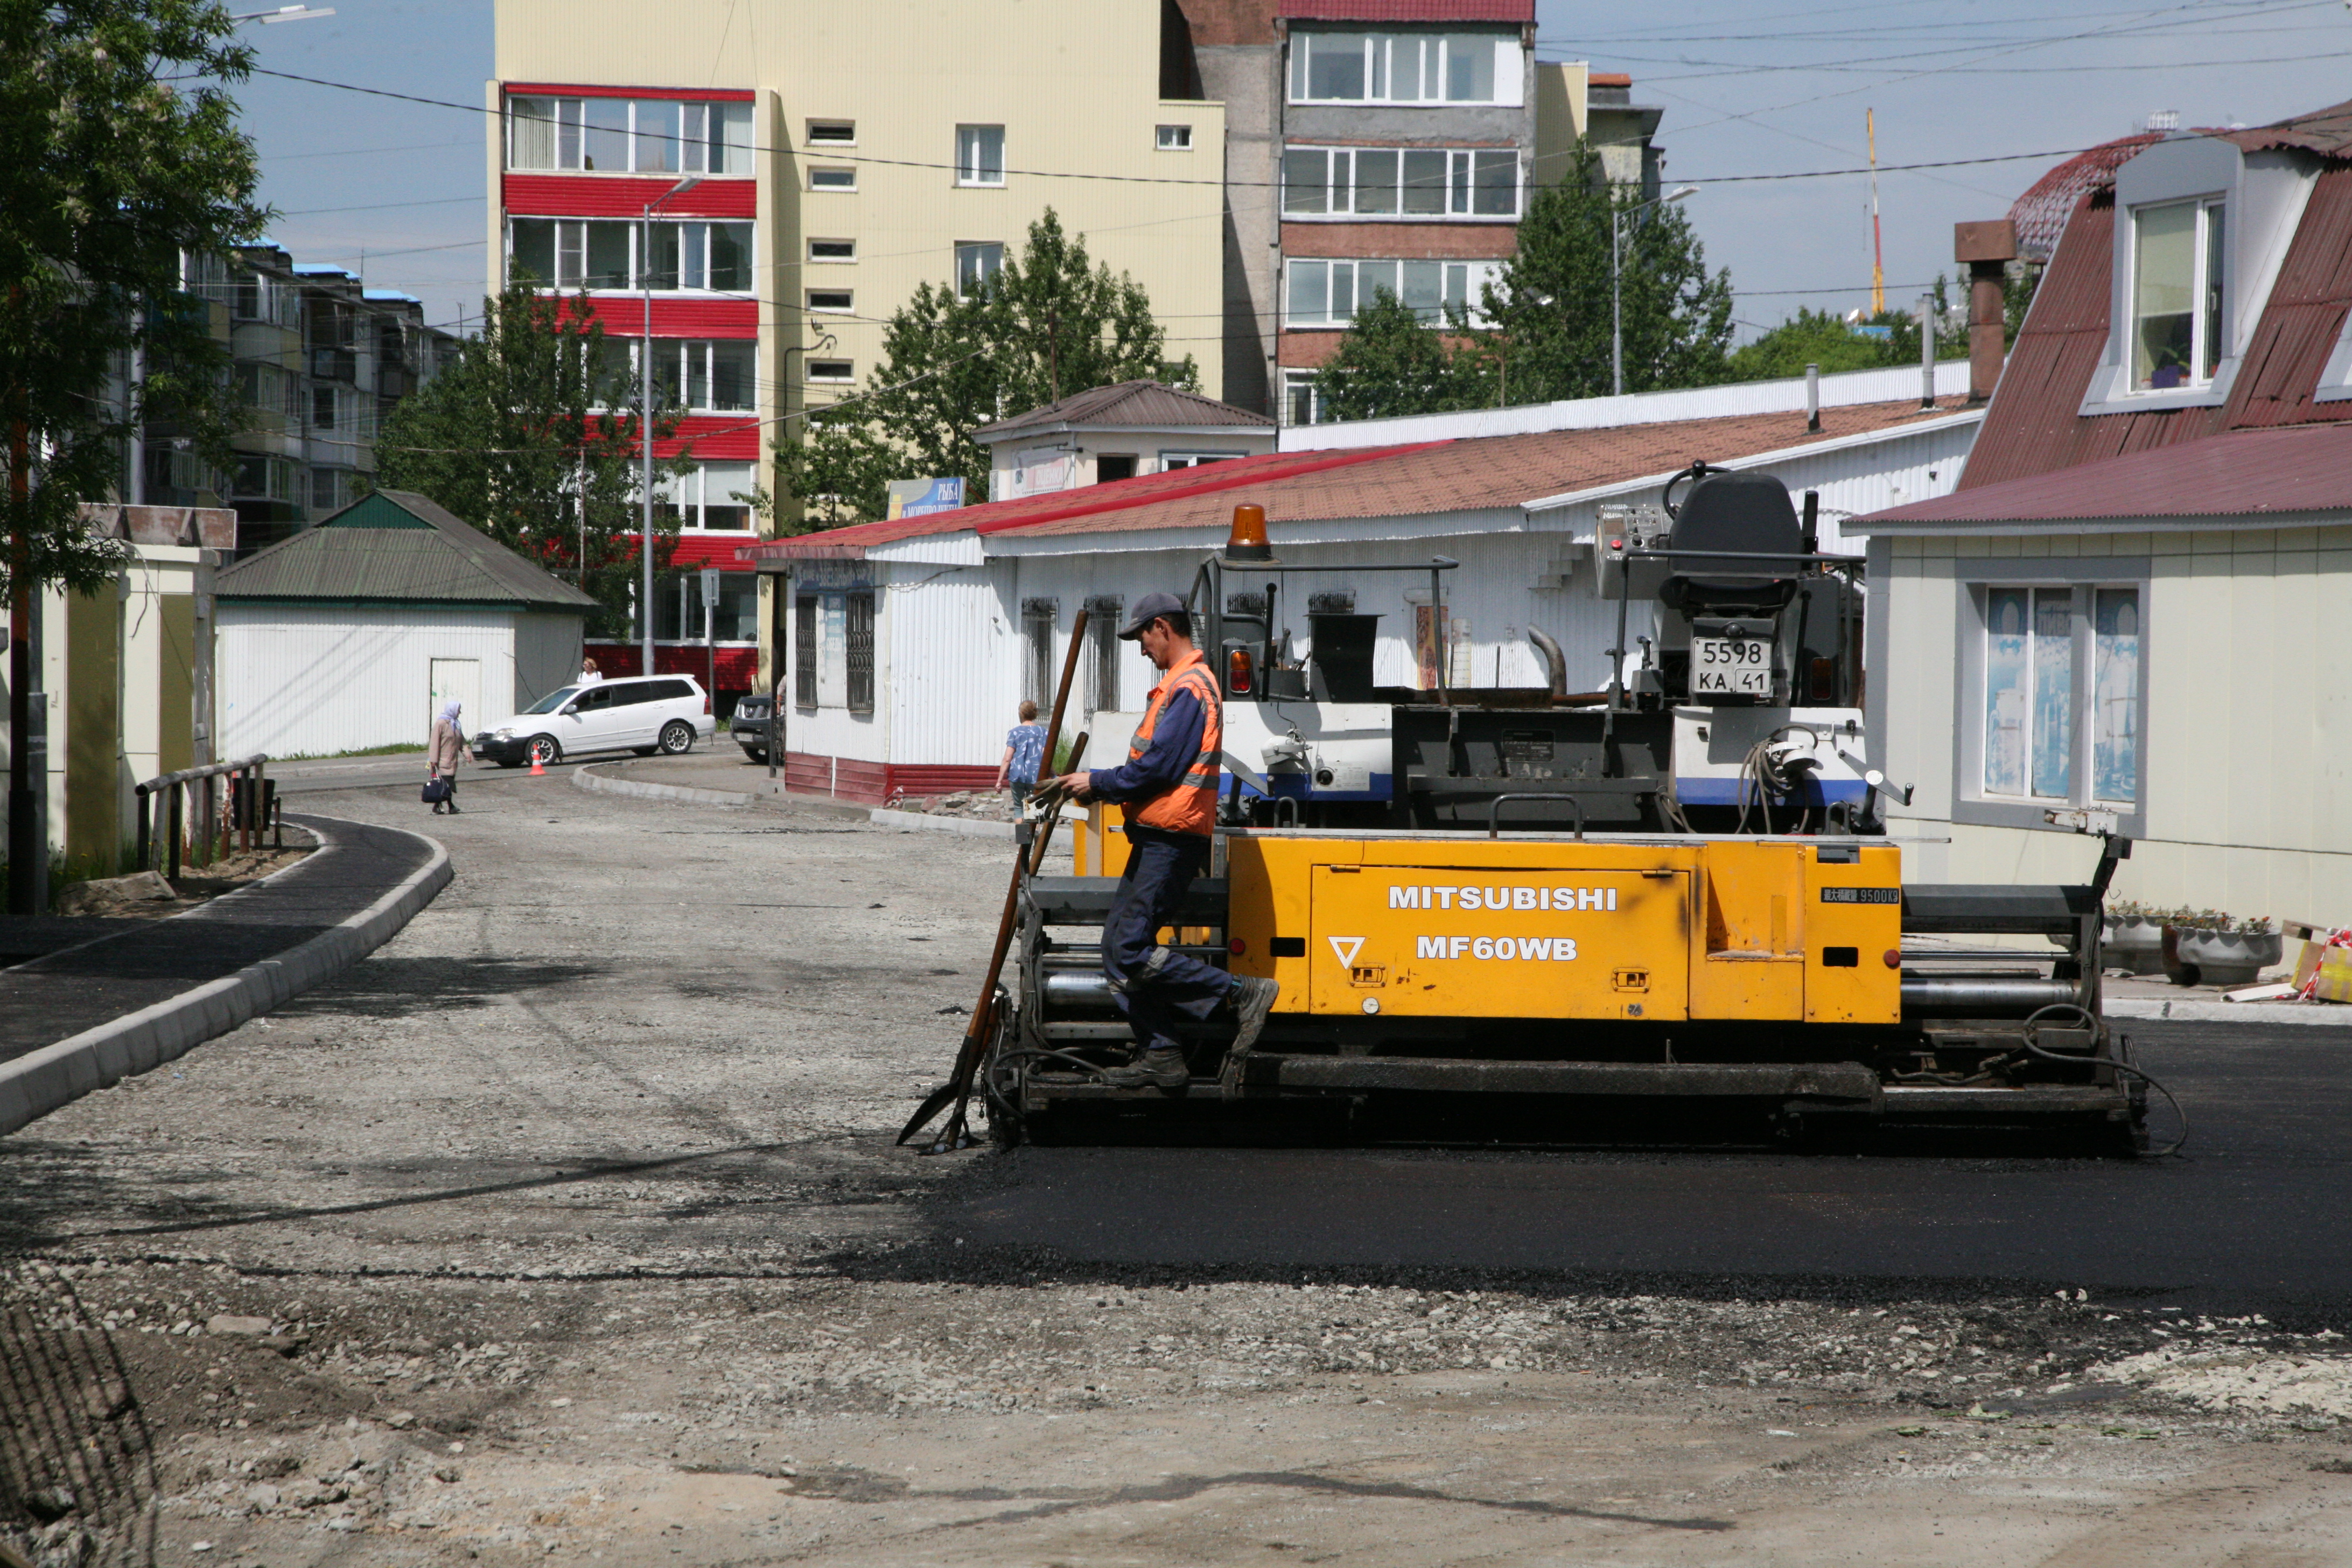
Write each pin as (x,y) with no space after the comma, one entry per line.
(1382,144)
(320,360)
(839,157)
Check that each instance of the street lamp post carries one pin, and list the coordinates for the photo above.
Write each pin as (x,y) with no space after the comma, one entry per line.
(1617,217)
(646,422)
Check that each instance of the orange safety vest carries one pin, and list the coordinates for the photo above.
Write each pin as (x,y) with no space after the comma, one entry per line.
(1190,805)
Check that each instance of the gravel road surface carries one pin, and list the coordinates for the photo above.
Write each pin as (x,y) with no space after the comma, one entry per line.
(568,1228)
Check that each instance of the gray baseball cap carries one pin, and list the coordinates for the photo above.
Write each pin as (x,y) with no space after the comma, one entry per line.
(1148,609)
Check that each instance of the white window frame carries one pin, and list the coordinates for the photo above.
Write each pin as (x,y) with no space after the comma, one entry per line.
(1476,273)
(848,371)
(692,493)
(1461,189)
(1172,139)
(702,125)
(810,138)
(1425,58)
(995,263)
(1302,398)
(816,260)
(844,177)
(972,169)
(2208,316)
(2082,581)
(693,245)
(1171,458)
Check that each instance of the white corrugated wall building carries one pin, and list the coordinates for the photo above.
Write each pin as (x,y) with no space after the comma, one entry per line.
(350,634)
(910,644)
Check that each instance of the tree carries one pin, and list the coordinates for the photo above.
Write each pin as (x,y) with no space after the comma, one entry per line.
(1392,362)
(122,161)
(1547,319)
(1050,324)
(1887,340)
(532,436)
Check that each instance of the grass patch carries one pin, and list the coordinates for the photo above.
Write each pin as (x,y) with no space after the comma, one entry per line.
(398,748)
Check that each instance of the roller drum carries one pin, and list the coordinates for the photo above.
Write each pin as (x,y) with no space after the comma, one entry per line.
(1984,996)
(1077,991)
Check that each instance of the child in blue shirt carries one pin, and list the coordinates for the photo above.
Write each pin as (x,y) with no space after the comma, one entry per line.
(1024,755)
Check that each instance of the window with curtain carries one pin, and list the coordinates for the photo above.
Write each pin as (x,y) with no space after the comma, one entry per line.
(2178,255)
(2061,694)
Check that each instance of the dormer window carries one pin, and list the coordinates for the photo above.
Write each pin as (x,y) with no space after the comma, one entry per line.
(2177,275)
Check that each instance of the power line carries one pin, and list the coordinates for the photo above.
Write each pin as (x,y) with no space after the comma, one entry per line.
(1247,185)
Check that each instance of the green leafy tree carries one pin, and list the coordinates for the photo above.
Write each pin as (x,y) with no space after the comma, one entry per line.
(1392,363)
(532,436)
(1050,322)
(1889,340)
(1546,333)
(122,159)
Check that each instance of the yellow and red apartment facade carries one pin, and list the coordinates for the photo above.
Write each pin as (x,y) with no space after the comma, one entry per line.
(578,164)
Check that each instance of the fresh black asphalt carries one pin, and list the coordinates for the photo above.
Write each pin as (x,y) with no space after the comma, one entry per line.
(2254,1215)
(142,962)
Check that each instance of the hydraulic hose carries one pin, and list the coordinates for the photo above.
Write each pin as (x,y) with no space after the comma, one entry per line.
(2089,1022)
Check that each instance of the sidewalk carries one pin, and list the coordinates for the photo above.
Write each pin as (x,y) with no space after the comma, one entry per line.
(144,992)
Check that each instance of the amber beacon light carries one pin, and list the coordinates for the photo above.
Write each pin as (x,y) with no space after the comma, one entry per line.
(1247,542)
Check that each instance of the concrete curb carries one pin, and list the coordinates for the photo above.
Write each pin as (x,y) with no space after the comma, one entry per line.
(57,1075)
(921,821)
(2165,1009)
(588,778)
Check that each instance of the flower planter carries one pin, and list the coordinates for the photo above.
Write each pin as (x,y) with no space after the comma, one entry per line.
(2193,957)
(2132,943)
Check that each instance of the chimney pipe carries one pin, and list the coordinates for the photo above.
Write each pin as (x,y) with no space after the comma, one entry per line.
(1927,324)
(1987,248)
(1813,400)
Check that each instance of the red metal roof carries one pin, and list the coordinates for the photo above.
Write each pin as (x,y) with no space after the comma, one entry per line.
(1408,10)
(2032,427)
(2305,468)
(1484,473)
(2041,213)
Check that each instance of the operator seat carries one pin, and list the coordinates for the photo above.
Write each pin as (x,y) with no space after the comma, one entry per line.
(1724,512)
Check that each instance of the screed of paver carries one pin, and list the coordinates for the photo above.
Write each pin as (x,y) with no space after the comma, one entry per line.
(570,1227)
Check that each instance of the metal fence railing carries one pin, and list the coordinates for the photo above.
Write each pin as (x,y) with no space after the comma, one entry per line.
(249,811)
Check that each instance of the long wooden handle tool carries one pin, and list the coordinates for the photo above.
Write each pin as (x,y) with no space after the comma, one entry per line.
(957,1089)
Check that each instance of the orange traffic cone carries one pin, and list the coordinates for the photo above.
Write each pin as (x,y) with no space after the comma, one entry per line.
(536,769)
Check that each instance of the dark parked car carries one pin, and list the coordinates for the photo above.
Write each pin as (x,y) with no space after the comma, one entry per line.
(749,725)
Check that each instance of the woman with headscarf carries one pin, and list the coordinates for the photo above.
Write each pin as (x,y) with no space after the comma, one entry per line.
(447,751)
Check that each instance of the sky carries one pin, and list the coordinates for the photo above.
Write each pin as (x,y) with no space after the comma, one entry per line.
(1769,87)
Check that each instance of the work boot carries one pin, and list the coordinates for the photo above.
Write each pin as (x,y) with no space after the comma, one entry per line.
(1253,1000)
(1162,1068)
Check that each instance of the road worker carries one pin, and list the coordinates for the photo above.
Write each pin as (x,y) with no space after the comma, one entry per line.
(1169,785)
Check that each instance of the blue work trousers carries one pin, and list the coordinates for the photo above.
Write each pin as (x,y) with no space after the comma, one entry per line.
(1155,985)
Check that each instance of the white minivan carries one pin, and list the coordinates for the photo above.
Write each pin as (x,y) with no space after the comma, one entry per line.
(643,714)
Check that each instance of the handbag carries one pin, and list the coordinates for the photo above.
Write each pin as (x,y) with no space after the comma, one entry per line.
(436,790)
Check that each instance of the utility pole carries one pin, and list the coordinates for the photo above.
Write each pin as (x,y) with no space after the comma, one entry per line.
(645,418)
